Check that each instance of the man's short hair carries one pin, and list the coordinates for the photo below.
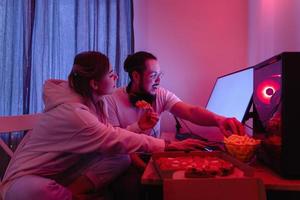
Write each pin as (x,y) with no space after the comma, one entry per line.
(136,62)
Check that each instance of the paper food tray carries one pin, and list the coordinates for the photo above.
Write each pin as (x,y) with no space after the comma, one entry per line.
(241,170)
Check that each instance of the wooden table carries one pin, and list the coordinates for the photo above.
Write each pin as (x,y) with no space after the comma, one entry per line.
(271,180)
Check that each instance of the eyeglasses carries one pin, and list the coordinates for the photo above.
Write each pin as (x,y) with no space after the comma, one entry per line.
(155,75)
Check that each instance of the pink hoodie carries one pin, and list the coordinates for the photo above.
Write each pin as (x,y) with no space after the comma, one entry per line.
(68,128)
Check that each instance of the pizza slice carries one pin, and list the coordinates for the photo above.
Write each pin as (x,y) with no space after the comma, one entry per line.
(143,105)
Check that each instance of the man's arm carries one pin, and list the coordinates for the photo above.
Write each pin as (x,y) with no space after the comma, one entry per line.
(195,114)
(203,117)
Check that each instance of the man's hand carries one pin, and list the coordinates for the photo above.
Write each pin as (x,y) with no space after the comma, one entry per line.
(185,145)
(148,120)
(230,126)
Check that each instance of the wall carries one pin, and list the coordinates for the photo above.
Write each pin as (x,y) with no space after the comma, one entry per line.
(194,40)
(274,27)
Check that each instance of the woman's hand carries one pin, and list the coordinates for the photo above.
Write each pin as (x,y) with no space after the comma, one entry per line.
(148,120)
(138,162)
(230,126)
(185,145)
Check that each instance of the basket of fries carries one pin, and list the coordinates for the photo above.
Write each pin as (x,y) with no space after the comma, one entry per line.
(242,148)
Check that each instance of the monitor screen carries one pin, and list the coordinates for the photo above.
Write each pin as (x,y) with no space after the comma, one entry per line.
(232,94)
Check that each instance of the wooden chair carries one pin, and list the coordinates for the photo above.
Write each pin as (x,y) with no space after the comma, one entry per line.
(10,124)
(214,189)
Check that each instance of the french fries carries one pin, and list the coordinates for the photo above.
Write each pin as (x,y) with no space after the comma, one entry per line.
(241,147)
(241,140)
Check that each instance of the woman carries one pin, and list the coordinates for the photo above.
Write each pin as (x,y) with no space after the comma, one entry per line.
(72,144)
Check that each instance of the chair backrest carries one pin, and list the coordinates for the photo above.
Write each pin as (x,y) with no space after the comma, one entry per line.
(9,124)
(214,189)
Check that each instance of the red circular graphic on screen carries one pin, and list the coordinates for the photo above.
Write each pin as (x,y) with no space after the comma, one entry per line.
(266,89)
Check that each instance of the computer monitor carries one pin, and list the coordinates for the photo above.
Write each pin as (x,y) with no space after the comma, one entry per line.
(232,94)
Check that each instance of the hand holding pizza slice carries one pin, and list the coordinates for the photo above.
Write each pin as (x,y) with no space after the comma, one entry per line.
(148,119)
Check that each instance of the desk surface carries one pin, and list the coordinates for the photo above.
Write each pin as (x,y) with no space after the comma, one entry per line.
(273,181)
(270,179)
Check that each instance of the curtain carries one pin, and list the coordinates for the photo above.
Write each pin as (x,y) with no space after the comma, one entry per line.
(39,39)
(13,39)
(67,27)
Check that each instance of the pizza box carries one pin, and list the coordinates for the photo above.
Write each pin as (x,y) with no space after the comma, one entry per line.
(240,170)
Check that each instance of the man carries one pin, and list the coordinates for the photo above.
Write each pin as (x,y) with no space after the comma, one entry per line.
(144,72)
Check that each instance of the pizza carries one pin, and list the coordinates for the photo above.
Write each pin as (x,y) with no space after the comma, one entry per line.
(196,166)
(143,105)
